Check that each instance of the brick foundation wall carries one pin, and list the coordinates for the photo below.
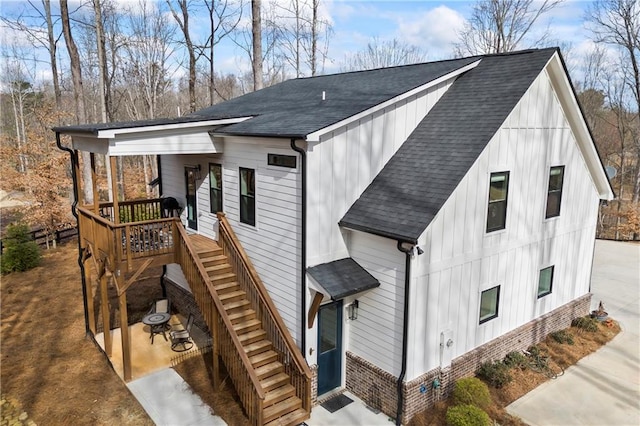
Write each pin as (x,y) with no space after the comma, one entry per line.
(314,384)
(183,302)
(378,388)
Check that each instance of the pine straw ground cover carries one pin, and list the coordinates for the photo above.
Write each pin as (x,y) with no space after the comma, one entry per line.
(49,368)
(525,380)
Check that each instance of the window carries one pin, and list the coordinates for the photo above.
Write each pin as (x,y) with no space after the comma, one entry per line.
(281,160)
(247,196)
(489,304)
(554,196)
(215,187)
(545,281)
(498,188)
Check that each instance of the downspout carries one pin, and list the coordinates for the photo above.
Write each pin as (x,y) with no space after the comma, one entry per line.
(164,267)
(405,322)
(303,249)
(74,160)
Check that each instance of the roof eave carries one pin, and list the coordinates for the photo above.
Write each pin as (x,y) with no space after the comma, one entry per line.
(379,232)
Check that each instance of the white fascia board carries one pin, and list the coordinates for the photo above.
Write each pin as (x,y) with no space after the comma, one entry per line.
(112,133)
(578,124)
(315,136)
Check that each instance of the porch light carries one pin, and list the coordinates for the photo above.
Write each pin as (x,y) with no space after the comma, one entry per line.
(353,310)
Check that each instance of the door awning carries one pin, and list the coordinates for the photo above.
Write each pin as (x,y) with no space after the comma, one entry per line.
(342,278)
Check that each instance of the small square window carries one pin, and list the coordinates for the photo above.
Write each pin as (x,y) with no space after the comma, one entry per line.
(545,281)
(489,300)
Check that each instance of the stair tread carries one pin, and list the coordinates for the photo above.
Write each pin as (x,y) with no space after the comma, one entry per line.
(252,333)
(278,393)
(226,286)
(235,304)
(293,418)
(225,275)
(267,368)
(247,323)
(217,267)
(262,357)
(279,409)
(240,315)
(275,379)
(212,258)
(233,293)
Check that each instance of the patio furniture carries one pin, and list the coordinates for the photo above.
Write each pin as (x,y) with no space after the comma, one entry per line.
(158,318)
(181,339)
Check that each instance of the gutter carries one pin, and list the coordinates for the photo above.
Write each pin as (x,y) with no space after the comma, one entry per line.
(74,160)
(405,322)
(303,249)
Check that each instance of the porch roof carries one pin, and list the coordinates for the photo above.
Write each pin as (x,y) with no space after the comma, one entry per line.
(342,278)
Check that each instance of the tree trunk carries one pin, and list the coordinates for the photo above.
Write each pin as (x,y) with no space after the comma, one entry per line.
(256,33)
(212,80)
(52,54)
(78,96)
(314,37)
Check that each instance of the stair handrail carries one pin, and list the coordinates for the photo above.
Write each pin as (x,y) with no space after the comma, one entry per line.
(221,311)
(264,295)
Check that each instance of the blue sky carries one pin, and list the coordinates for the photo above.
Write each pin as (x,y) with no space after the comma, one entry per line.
(429,24)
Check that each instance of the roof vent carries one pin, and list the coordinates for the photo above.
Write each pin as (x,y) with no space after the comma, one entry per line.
(324,95)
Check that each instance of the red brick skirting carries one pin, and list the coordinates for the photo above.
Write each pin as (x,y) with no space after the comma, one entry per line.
(378,388)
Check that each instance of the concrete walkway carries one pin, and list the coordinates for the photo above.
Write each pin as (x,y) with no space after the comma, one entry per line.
(603,388)
(169,400)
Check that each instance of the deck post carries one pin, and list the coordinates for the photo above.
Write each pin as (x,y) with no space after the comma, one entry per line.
(89,292)
(114,188)
(216,349)
(124,333)
(106,328)
(94,184)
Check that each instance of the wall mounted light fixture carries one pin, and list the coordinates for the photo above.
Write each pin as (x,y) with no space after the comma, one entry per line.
(353,310)
(197,171)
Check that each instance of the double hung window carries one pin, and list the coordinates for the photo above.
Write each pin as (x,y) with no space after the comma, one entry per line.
(248,196)
(215,187)
(554,195)
(497,211)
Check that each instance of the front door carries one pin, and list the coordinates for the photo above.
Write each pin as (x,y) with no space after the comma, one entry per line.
(329,347)
(192,211)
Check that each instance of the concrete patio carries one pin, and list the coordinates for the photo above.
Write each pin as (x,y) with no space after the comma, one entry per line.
(147,358)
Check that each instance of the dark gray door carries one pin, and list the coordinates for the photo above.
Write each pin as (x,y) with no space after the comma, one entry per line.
(329,346)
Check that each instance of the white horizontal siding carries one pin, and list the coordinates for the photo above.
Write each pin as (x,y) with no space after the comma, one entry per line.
(377,333)
(461,259)
(274,243)
(345,162)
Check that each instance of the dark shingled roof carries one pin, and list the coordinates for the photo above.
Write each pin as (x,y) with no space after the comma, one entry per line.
(295,108)
(342,278)
(412,187)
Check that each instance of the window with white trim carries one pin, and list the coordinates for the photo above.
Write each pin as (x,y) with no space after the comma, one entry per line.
(215,187)
(497,210)
(554,193)
(248,196)
(545,281)
(489,300)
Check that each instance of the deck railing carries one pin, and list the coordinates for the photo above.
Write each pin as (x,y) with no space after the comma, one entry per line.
(126,242)
(131,210)
(232,353)
(289,354)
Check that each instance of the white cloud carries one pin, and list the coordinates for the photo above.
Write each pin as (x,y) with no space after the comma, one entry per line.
(434,30)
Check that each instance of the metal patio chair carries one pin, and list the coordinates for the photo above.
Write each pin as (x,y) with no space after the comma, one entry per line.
(181,339)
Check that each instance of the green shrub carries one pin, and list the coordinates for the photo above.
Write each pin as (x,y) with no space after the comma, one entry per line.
(562,336)
(467,415)
(495,373)
(471,390)
(20,252)
(585,323)
(515,359)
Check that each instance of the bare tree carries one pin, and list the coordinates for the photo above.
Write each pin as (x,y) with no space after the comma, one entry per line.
(78,94)
(256,43)
(183,23)
(616,23)
(497,26)
(380,54)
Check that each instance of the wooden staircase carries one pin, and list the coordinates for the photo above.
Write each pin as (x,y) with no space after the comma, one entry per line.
(281,406)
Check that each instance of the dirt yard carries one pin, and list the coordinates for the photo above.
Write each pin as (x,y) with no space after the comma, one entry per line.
(49,369)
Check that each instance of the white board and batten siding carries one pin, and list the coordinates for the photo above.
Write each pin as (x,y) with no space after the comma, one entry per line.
(273,245)
(461,259)
(347,159)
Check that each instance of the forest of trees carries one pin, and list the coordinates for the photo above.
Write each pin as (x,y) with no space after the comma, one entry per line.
(106,63)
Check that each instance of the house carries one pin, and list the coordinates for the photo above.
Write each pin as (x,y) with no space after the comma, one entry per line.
(408,223)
